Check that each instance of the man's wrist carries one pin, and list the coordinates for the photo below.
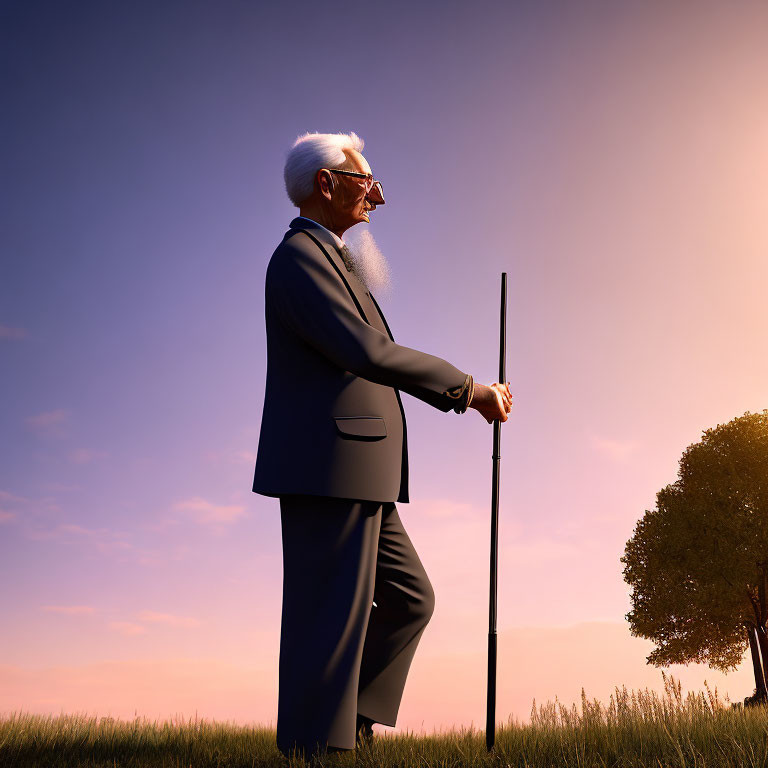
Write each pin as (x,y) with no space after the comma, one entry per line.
(477,396)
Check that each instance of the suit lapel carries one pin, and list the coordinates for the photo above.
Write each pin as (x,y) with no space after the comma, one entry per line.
(361,297)
(381,315)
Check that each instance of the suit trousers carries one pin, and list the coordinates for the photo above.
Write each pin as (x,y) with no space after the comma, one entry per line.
(356,600)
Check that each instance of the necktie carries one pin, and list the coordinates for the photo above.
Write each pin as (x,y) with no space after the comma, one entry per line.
(347,258)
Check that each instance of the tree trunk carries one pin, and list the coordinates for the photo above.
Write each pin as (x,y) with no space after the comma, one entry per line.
(762,637)
(756,665)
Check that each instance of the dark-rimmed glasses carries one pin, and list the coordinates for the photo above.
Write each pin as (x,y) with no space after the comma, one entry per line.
(373,188)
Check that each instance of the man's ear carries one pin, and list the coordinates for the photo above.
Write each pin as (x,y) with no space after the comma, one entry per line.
(325,183)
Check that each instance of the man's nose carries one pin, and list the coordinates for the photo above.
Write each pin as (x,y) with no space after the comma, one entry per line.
(376,195)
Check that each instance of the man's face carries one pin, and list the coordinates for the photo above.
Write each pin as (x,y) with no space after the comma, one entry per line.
(348,199)
(359,205)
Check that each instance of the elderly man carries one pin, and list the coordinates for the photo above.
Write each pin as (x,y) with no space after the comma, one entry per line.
(333,449)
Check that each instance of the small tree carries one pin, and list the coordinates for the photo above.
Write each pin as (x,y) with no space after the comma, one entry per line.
(698,563)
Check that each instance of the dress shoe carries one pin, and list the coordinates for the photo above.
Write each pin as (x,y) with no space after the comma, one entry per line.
(364,730)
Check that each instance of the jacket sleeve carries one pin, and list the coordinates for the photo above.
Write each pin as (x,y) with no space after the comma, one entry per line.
(309,297)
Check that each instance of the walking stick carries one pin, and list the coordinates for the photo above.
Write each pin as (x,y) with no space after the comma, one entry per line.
(490,721)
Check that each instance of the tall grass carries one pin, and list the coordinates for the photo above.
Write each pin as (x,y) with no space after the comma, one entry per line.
(633,729)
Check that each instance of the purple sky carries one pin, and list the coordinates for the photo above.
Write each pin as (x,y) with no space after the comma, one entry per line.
(610,157)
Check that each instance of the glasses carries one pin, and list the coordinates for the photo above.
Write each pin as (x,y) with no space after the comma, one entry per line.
(373,189)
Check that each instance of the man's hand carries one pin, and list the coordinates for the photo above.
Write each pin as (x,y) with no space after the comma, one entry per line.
(493,401)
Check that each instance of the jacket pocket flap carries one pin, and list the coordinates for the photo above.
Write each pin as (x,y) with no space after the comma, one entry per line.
(361,426)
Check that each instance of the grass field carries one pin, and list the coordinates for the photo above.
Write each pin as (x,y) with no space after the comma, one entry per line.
(633,729)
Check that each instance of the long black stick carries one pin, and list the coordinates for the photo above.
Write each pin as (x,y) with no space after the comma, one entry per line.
(490,721)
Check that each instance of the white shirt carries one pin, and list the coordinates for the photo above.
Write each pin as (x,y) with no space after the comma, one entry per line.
(338,240)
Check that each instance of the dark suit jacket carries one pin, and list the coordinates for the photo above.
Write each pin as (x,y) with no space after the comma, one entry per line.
(333,423)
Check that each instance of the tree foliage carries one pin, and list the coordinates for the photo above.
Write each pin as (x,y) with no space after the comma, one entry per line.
(697,563)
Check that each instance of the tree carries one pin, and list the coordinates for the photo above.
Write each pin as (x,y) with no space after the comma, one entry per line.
(698,563)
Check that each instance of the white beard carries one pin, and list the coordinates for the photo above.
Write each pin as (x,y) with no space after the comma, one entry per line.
(369,263)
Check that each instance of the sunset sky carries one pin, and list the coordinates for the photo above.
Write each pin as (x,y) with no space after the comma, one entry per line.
(611,158)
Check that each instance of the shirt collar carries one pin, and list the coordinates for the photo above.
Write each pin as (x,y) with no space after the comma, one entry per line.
(339,242)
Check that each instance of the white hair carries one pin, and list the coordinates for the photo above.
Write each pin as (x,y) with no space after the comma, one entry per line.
(311,152)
